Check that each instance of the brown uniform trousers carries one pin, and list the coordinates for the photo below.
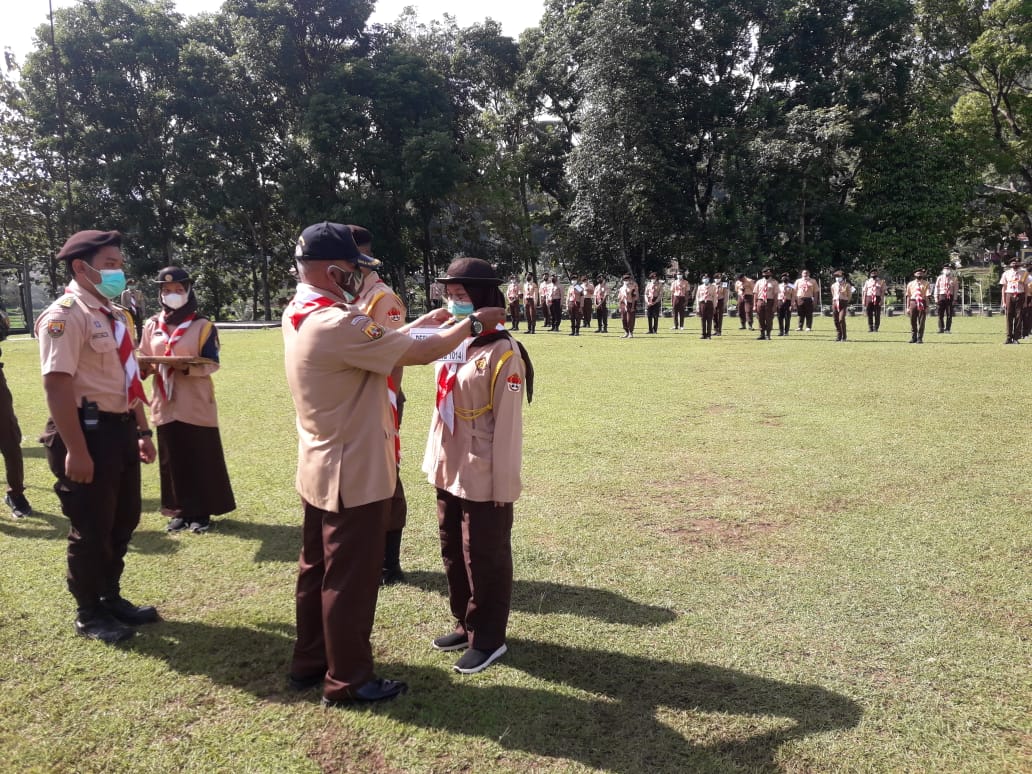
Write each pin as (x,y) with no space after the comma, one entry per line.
(337,586)
(745,309)
(586,310)
(1015,309)
(719,309)
(840,311)
(476,546)
(873,306)
(765,311)
(805,307)
(530,311)
(706,317)
(945,310)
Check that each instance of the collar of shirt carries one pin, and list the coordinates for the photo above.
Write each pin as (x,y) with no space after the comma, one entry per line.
(304,287)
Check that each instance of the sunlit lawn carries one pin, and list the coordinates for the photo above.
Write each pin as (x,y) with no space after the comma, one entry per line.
(731,555)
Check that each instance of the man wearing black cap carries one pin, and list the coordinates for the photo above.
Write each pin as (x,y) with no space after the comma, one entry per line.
(786,302)
(381,303)
(337,362)
(873,297)
(916,300)
(97,433)
(765,294)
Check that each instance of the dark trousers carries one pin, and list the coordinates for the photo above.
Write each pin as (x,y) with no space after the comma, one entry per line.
(337,584)
(10,440)
(706,316)
(745,310)
(514,314)
(530,310)
(602,315)
(103,513)
(840,310)
(586,311)
(784,317)
(628,319)
(652,314)
(556,312)
(945,309)
(680,310)
(874,316)
(805,306)
(718,316)
(476,546)
(765,312)
(917,321)
(1026,318)
(574,313)
(546,313)
(1015,307)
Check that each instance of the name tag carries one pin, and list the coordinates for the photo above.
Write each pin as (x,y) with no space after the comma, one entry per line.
(457,355)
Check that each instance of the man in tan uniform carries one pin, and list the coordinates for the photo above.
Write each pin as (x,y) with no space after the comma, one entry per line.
(808,296)
(744,291)
(530,298)
(786,303)
(720,306)
(601,305)
(574,306)
(97,433)
(916,301)
(765,294)
(514,298)
(1014,287)
(873,298)
(841,294)
(705,294)
(337,361)
(381,303)
(589,298)
(679,301)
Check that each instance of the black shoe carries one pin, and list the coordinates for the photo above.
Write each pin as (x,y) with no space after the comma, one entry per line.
(913,339)
(102,626)
(377,689)
(176,525)
(391,576)
(200,527)
(761,337)
(453,641)
(125,611)
(921,340)
(19,506)
(473,660)
(304,682)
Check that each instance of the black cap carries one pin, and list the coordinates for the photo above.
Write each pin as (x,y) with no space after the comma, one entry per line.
(86,243)
(470,271)
(172,274)
(327,242)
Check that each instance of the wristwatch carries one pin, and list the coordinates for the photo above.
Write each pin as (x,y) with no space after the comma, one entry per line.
(476,327)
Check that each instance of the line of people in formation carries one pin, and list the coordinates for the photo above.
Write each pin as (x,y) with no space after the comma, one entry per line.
(759,302)
(345,344)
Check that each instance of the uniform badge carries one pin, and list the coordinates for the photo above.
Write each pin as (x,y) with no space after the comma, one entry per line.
(373,331)
(481,364)
(55,328)
(66,301)
(394,315)
(514,383)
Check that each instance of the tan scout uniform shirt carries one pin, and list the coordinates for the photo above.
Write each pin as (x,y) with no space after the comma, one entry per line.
(76,337)
(705,293)
(193,394)
(806,287)
(481,459)
(530,290)
(589,289)
(946,286)
(841,291)
(627,297)
(679,289)
(544,292)
(574,297)
(786,292)
(916,289)
(601,293)
(653,292)
(744,287)
(874,290)
(337,364)
(381,303)
(766,289)
(555,291)
(512,292)
(1014,281)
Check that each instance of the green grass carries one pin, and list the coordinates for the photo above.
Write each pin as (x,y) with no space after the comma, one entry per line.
(731,555)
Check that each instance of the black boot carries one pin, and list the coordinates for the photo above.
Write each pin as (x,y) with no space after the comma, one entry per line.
(392,559)
(97,624)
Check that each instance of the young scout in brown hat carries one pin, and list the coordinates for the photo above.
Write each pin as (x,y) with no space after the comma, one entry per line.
(97,433)
(380,302)
(786,303)
(337,362)
(473,458)
(916,299)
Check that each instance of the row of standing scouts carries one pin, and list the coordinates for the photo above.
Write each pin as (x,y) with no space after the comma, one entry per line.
(758,302)
(346,343)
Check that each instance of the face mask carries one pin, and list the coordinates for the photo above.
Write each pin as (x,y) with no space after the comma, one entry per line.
(352,282)
(838,279)
(174,300)
(705,280)
(460,309)
(112,282)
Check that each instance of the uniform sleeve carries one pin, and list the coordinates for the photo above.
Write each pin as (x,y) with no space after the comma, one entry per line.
(209,348)
(507,451)
(360,342)
(62,333)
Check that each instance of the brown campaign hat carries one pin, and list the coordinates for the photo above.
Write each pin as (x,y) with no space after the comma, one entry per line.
(87,242)
(470,271)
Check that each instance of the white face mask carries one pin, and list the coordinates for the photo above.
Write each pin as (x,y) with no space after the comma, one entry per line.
(174,300)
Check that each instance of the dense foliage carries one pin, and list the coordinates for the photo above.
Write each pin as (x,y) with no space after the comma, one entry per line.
(618,135)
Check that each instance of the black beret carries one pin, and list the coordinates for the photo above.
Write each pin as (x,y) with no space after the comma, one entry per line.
(172,274)
(470,271)
(87,242)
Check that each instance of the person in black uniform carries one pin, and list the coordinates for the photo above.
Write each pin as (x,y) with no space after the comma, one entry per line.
(97,433)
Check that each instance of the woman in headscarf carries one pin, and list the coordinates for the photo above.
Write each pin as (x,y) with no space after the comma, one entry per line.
(473,458)
(194,480)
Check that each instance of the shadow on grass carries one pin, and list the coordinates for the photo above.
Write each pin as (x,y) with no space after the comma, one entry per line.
(49,526)
(547,598)
(278,542)
(635,714)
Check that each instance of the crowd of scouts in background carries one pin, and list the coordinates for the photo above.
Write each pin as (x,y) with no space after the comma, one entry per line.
(758,302)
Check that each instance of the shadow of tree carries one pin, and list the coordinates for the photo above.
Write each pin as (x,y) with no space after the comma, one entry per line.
(49,526)
(737,721)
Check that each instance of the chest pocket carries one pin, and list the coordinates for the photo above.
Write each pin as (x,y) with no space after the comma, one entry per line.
(103,342)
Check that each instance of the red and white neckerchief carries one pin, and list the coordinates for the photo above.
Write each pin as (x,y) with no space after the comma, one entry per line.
(392,396)
(133,386)
(304,303)
(164,378)
(446,376)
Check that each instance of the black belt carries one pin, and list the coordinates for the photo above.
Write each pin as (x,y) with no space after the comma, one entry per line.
(109,416)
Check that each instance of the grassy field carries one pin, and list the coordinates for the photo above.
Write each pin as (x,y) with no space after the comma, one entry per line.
(731,555)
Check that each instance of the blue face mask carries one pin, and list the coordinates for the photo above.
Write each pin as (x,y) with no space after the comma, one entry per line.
(460,309)
(112,282)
